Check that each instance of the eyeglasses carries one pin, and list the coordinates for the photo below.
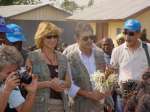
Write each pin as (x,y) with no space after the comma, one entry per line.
(129,33)
(146,76)
(52,36)
(86,38)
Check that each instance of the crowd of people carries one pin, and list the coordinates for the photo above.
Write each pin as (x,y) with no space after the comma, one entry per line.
(47,80)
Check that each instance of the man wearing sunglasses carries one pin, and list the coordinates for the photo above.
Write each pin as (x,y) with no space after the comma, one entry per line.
(16,38)
(84,60)
(130,57)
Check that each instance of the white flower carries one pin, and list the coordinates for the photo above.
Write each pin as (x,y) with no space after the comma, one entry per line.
(102,84)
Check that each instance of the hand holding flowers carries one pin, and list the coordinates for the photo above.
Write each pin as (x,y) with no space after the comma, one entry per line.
(102,83)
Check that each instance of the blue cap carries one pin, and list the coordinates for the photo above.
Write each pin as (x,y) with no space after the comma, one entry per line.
(3,27)
(16,34)
(132,25)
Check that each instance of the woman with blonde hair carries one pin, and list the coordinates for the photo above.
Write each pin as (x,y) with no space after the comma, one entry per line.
(52,69)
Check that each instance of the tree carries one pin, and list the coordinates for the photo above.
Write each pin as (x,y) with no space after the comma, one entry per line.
(18,2)
(90,3)
(25,2)
(69,5)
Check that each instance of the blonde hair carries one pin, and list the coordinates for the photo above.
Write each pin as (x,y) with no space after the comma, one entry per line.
(10,55)
(45,29)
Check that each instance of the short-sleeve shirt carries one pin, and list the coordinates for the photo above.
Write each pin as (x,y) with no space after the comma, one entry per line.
(15,98)
(131,65)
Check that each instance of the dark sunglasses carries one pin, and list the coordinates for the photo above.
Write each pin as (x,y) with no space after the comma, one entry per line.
(86,38)
(146,76)
(52,36)
(129,33)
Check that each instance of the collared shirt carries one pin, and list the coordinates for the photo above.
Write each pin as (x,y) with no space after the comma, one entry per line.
(131,64)
(15,98)
(89,63)
(107,58)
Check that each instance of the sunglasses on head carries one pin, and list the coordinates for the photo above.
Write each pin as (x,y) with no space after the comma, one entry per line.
(129,33)
(52,36)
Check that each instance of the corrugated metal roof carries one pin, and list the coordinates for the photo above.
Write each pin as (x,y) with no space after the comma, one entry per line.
(111,10)
(12,10)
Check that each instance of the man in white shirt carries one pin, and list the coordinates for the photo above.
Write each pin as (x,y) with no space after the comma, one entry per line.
(84,60)
(130,58)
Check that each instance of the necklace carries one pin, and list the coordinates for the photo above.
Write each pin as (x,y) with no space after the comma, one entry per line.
(51,61)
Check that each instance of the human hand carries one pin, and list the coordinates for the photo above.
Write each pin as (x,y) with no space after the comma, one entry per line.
(108,93)
(32,87)
(28,65)
(57,85)
(109,70)
(96,95)
(11,82)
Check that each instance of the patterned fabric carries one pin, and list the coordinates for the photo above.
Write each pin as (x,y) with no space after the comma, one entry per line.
(55,105)
(41,69)
(81,78)
(54,73)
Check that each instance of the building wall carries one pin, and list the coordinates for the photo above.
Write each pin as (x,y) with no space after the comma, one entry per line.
(101,30)
(30,27)
(116,26)
(43,13)
(113,29)
(145,19)
(93,24)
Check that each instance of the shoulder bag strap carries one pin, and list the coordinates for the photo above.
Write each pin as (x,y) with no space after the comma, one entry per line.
(144,45)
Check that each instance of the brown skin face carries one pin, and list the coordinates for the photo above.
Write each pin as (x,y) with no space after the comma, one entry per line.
(107,45)
(3,38)
(18,45)
(2,35)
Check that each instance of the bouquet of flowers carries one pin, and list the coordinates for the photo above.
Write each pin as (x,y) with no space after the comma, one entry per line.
(103,84)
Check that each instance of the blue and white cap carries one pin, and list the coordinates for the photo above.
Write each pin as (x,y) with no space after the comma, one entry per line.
(16,34)
(132,25)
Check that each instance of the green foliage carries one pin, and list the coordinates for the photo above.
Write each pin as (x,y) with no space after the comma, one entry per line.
(6,2)
(90,3)
(18,2)
(69,5)
(72,5)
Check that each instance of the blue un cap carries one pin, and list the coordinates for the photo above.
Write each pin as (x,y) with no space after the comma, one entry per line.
(3,27)
(16,34)
(132,25)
